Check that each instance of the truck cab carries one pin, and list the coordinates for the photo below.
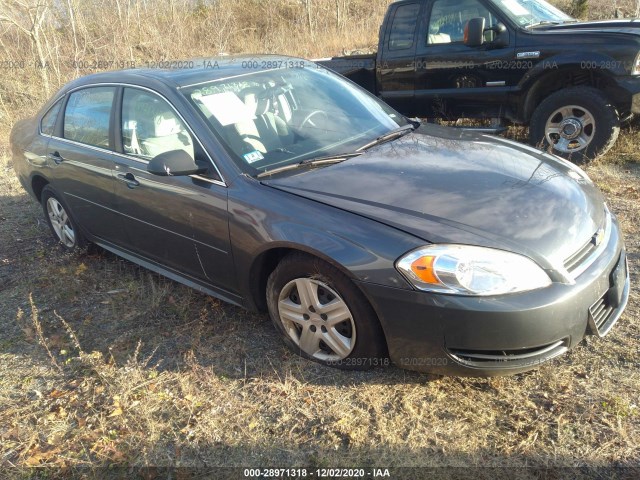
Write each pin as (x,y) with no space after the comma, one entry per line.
(523,61)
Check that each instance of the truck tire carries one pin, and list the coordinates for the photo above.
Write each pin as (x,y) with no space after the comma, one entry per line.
(576,123)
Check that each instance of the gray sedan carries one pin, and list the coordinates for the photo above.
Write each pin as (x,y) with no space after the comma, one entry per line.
(274,184)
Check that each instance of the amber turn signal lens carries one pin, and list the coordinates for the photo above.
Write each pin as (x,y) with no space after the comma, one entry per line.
(423,268)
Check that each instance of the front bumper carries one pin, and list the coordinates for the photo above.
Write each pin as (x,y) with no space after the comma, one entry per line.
(484,336)
(627,92)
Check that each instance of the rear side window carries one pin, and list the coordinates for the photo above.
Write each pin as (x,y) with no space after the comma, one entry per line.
(403,27)
(48,122)
(87,116)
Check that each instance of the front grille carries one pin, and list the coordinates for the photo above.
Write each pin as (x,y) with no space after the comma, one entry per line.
(604,313)
(510,358)
(601,311)
(577,258)
(584,257)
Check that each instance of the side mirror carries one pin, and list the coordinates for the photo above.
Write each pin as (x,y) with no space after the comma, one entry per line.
(499,28)
(499,40)
(174,163)
(474,32)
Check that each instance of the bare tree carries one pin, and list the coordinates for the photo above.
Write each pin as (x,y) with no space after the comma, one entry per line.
(342,12)
(28,17)
(308,6)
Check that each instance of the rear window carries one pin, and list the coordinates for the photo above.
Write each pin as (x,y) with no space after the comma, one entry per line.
(403,28)
(48,122)
(87,116)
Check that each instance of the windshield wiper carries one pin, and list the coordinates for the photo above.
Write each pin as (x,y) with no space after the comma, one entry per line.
(311,162)
(387,137)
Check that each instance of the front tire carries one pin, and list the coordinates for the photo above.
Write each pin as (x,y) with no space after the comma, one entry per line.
(62,226)
(577,123)
(322,315)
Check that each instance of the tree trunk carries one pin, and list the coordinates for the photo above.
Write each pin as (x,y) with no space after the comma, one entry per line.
(309,17)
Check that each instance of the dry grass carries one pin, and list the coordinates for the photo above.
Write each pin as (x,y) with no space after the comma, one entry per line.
(105,366)
(139,371)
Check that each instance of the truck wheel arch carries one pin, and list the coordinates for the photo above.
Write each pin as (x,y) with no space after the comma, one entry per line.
(546,83)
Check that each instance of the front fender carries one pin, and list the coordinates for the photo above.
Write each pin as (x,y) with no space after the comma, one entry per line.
(364,249)
(584,61)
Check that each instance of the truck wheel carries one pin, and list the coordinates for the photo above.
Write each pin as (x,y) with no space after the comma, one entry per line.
(577,123)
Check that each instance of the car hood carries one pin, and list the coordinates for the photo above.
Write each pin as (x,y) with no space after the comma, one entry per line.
(631,26)
(445,185)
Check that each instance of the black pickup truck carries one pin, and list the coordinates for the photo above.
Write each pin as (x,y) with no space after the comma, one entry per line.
(519,61)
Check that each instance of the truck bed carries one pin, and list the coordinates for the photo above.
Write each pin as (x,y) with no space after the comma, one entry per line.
(360,69)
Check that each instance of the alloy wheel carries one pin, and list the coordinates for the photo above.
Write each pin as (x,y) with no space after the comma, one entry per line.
(61,223)
(317,319)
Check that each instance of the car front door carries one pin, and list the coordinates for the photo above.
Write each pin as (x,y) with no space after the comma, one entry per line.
(80,156)
(178,222)
(456,80)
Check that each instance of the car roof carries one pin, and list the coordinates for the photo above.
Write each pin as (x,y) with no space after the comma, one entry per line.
(190,72)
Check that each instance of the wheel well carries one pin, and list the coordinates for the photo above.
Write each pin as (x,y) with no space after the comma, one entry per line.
(266,263)
(37,184)
(260,271)
(563,78)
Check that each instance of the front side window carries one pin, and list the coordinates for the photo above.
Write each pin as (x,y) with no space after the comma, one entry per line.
(48,123)
(403,28)
(279,117)
(150,126)
(87,116)
(448,20)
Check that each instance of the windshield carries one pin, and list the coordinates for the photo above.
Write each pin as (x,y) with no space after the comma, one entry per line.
(531,12)
(273,118)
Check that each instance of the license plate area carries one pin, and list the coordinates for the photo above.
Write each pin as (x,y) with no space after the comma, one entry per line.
(617,281)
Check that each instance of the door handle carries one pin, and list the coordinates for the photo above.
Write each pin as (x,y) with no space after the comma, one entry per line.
(129,179)
(56,157)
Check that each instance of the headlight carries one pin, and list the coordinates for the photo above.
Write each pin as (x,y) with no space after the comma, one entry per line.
(635,70)
(468,270)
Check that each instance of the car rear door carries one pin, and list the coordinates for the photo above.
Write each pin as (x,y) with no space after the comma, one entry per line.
(178,222)
(81,161)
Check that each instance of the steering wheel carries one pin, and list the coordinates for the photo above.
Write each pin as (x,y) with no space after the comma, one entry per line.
(315,113)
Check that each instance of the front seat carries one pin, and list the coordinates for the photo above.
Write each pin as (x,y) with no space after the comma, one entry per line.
(267,132)
(159,131)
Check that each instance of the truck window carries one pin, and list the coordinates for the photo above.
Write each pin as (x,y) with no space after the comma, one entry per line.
(448,19)
(403,27)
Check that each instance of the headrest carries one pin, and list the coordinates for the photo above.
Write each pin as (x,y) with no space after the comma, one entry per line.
(166,124)
(254,101)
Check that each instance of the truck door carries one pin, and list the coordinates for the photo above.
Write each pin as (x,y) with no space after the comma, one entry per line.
(455,80)
(396,71)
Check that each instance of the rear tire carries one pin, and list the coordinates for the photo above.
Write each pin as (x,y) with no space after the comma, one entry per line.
(576,123)
(62,225)
(322,315)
